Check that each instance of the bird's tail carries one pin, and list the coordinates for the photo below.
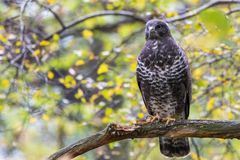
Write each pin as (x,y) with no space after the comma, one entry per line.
(174,147)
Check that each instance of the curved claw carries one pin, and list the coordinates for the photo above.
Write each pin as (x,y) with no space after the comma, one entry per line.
(154,118)
(168,120)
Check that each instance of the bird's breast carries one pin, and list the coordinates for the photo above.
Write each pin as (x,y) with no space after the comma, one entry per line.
(165,70)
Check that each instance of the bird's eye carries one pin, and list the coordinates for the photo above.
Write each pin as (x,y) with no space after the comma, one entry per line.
(157,26)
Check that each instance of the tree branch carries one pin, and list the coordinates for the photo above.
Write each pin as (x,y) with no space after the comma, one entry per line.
(183,128)
(98,14)
(200,9)
(140,18)
(235,10)
(53,13)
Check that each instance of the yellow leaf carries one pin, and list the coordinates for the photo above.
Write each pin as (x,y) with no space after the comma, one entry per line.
(199,42)
(108,111)
(35,37)
(236,39)
(68,81)
(80,62)
(197,73)
(110,7)
(119,80)
(2,28)
(103,68)
(217,51)
(5,83)
(51,1)
(118,90)
(140,4)
(217,90)
(87,34)
(221,140)
(218,113)
(210,103)
(107,94)
(17,51)
(83,100)
(133,67)
(44,43)
(92,56)
(1,108)
(56,37)
(225,46)
(171,14)
(18,43)
(105,120)
(187,26)
(36,52)
(194,156)
(230,115)
(79,94)
(32,120)
(3,39)
(93,98)
(45,117)
(110,83)
(84,81)
(140,115)
(71,83)
(194,1)
(61,80)
(50,75)
(82,158)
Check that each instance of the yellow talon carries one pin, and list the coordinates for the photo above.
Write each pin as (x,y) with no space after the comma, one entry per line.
(168,120)
(153,118)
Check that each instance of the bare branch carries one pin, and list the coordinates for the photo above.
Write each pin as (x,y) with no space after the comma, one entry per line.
(54,13)
(143,19)
(183,128)
(196,149)
(194,12)
(22,26)
(97,14)
(235,10)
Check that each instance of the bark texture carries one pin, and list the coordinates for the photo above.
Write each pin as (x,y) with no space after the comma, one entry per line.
(183,128)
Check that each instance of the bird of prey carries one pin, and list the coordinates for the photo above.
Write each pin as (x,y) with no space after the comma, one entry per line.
(164,79)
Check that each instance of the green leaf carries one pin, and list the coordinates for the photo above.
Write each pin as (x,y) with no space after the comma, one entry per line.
(216,22)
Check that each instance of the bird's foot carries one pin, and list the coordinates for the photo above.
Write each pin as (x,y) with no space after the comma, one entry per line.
(153,118)
(148,119)
(168,120)
(141,121)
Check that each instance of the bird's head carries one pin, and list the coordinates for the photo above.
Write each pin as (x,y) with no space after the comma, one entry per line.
(156,29)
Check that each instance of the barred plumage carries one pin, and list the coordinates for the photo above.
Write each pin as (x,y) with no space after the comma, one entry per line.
(164,80)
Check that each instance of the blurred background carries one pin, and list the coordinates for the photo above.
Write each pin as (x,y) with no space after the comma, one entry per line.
(61,83)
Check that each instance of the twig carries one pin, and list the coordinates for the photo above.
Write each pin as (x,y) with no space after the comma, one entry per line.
(22,26)
(233,11)
(142,19)
(54,13)
(200,9)
(183,128)
(196,149)
(97,14)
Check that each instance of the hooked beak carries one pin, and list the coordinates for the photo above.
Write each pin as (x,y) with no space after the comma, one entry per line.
(151,29)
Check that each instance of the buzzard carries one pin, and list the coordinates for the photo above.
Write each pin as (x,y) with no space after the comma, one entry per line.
(164,79)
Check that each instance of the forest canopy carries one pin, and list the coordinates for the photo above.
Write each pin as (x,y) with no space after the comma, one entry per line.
(68,69)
